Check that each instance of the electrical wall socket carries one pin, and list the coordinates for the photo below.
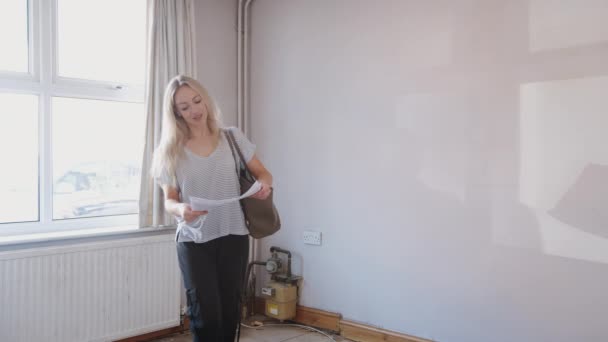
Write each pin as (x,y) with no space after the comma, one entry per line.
(312,238)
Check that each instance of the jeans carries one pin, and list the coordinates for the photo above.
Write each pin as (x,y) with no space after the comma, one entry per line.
(213,274)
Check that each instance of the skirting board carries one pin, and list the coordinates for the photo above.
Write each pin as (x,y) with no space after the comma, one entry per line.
(365,333)
(318,318)
(351,330)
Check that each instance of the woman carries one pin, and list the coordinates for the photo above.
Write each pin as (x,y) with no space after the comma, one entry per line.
(194,159)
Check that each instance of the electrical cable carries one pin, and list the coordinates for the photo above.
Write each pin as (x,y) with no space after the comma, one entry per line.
(290,324)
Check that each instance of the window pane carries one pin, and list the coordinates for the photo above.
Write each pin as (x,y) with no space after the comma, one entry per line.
(102,40)
(19,151)
(14,35)
(97,150)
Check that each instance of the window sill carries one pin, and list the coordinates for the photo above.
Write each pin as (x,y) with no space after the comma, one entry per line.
(76,236)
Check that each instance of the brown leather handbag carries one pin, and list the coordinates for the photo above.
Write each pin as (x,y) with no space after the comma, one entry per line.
(261,216)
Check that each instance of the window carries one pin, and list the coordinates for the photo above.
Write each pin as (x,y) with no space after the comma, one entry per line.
(91,46)
(19,183)
(71,113)
(96,171)
(14,35)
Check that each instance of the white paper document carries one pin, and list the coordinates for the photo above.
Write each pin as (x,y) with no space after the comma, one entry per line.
(199,204)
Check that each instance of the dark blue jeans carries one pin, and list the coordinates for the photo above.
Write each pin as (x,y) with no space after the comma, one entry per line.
(213,274)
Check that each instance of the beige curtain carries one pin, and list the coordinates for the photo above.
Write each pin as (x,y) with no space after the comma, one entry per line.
(171,51)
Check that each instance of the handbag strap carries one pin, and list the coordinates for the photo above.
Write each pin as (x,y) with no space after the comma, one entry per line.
(236,162)
(234,146)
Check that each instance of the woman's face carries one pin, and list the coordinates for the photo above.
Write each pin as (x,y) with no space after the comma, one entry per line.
(190,106)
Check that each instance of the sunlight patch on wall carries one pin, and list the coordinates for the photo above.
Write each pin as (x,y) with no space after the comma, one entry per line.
(564,164)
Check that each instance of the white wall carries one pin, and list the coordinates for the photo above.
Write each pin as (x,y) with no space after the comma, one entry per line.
(216,49)
(453,153)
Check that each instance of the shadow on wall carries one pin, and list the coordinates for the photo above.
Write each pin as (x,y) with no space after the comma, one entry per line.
(583,205)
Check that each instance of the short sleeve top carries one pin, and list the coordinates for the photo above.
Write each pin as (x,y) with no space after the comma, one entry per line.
(213,177)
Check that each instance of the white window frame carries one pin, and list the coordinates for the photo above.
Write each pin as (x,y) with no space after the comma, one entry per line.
(42,80)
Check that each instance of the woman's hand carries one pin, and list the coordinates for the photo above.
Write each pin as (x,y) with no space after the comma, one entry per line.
(188,214)
(263,193)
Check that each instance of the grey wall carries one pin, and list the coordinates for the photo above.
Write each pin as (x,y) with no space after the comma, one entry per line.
(453,154)
(216,49)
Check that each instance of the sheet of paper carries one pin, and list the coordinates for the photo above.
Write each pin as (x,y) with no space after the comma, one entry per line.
(198,203)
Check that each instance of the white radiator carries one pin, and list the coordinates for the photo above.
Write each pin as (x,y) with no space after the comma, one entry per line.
(90,292)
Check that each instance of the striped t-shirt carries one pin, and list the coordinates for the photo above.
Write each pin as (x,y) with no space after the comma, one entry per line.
(213,177)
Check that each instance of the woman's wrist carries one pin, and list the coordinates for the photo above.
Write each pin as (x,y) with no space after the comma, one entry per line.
(266,179)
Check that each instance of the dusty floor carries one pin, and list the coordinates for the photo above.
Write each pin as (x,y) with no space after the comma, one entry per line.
(269,333)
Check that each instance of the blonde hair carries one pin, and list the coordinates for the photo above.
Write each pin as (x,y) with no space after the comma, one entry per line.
(175,131)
